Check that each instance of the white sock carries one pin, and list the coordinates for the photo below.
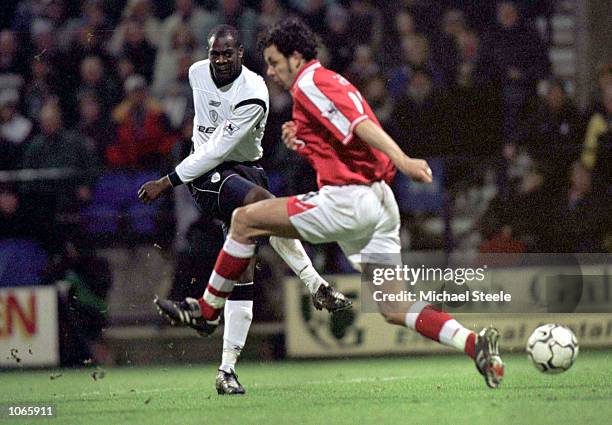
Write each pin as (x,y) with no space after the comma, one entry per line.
(238,317)
(454,334)
(292,252)
(451,332)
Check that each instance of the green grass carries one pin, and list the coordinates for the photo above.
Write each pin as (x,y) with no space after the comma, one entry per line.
(412,390)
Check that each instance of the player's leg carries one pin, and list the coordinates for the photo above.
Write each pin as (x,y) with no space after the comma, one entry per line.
(316,217)
(238,315)
(292,252)
(427,319)
(264,218)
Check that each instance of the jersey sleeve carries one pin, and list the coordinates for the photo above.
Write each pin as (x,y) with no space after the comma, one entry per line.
(335,102)
(245,118)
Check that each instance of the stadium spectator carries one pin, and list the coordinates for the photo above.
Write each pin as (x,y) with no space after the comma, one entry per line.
(176,100)
(27,12)
(44,38)
(14,223)
(375,92)
(400,25)
(94,77)
(313,12)
(597,150)
(419,122)
(529,212)
(40,87)
(92,20)
(137,48)
(199,20)
(520,220)
(339,38)
(56,148)
(14,127)
(552,129)
(475,111)
(124,69)
(137,14)
(415,57)
(604,79)
(364,67)
(184,44)
(272,11)
(512,59)
(468,44)
(425,14)
(578,227)
(368,19)
(94,125)
(445,44)
(143,135)
(85,43)
(13,62)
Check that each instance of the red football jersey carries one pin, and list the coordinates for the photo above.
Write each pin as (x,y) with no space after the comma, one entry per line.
(326,109)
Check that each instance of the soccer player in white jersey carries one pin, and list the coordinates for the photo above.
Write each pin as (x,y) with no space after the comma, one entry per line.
(335,129)
(231,108)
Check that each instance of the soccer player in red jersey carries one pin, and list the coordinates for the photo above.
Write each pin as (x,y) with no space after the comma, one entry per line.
(334,128)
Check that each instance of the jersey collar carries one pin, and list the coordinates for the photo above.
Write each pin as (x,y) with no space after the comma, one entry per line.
(308,66)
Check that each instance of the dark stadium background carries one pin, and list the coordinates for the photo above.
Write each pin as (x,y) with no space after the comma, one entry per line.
(514,120)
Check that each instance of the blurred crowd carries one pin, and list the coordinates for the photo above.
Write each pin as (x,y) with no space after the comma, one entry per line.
(97,87)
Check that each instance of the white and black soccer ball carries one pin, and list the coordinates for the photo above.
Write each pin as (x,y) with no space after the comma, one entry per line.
(552,348)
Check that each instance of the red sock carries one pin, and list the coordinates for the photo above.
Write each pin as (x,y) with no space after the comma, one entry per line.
(430,321)
(440,326)
(232,261)
(470,345)
(208,311)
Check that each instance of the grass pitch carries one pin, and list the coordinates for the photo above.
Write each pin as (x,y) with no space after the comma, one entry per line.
(410,390)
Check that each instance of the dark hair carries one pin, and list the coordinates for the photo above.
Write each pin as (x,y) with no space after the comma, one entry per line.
(222,31)
(290,35)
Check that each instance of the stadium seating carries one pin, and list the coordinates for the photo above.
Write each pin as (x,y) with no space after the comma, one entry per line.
(115,207)
(22,262)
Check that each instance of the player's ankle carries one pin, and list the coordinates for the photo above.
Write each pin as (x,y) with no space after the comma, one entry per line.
(208,311)
(470,345)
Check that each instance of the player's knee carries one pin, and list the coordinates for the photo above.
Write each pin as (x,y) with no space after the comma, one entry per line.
(256,194)
(241,227)
(239,221)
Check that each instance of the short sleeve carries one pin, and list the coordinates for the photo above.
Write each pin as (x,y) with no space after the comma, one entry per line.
(336,102)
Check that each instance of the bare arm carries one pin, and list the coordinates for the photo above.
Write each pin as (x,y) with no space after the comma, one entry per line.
(373,135)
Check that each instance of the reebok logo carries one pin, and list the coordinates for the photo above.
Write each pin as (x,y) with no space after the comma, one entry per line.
(206,130)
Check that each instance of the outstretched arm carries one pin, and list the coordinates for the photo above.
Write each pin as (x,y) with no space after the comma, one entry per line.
(375,136)
(222,142)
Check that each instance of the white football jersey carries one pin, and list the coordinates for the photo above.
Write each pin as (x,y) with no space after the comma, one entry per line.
(229,121)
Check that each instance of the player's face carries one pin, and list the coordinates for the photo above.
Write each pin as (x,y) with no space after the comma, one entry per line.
(281,69)
(225,58)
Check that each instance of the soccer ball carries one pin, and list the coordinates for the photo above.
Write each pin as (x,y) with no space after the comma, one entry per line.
(552,348)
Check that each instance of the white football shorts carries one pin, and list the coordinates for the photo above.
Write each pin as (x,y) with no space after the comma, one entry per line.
(362,219)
